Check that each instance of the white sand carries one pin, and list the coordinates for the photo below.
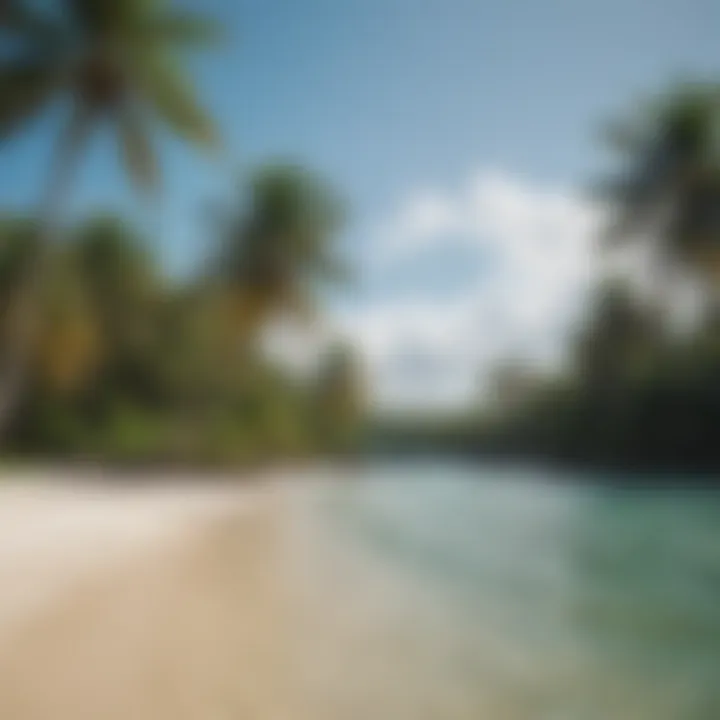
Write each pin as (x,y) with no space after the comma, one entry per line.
(134,603)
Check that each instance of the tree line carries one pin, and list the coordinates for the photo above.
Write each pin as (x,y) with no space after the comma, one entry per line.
(102,354)
(132,364)
(640,390)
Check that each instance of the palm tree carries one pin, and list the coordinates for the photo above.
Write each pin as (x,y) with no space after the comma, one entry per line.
(67,344)
(121,277)
(277,250)
(69,349)
(620,340)
(340,398)
(111,61)
(668,189)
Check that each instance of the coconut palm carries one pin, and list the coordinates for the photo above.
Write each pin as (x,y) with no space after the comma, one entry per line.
(278,248)
(668,188)
(110,61)
(67,343)
(121,276)
(69,348)
(340,397)
(620,339)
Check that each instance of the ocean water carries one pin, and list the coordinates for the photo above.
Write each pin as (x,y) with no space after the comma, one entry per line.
(444,590)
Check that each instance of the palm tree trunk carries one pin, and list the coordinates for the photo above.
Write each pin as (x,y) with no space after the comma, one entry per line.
(27,311)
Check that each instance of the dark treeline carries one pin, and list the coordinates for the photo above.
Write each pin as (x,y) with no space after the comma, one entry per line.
(132,365)
(634,398)
(640,390)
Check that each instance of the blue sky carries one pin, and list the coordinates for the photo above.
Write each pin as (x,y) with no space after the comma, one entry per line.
(403,103)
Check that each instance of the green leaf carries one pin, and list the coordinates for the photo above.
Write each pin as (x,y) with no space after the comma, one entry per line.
(25,87)
(137,151)
(171,95)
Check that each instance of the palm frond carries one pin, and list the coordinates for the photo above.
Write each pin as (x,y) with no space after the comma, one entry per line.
(170,93)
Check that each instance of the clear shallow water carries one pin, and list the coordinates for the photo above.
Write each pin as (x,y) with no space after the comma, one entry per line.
(451,591)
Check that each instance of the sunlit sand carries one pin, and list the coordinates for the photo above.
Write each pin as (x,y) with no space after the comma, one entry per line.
(138,603)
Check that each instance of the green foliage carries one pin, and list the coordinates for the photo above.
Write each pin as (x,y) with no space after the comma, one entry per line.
(277,248)
(133,366)
(340,400)
(667,187)
(115,61)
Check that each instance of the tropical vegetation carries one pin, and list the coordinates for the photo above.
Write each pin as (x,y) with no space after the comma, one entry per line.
(640,390)
(133,365)
(104,354)
(106,62)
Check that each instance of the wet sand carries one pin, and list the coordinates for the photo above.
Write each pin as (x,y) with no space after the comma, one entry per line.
(140,603)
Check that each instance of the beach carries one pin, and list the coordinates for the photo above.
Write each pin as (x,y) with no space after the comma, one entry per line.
(413,592)
(153,601)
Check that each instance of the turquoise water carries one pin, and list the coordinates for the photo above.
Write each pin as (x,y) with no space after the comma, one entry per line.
(459,591)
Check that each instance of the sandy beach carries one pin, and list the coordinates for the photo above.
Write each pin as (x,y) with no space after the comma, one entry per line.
(300,599)
(156,601)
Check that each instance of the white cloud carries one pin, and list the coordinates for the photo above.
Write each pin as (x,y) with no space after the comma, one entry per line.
(421,220)
(423,351)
